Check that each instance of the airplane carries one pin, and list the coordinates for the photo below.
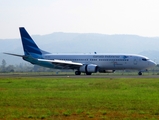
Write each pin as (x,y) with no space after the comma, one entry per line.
(82,63)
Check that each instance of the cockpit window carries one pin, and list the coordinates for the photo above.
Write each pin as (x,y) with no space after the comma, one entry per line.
(144,59)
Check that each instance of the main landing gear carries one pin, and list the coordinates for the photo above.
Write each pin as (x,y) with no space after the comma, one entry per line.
(140,73)
(79,73)
(88,73)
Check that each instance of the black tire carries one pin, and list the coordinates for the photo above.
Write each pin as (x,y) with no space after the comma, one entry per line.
(140,73)
(88,73)
(77,73)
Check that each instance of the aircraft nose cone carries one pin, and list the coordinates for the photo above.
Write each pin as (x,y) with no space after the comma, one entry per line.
(152,64)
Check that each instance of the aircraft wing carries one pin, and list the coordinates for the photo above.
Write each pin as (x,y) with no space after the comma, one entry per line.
(63,64)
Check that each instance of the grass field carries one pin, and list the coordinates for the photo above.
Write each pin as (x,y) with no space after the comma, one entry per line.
(79,98)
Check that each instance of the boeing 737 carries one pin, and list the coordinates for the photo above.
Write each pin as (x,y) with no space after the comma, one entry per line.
(82,63)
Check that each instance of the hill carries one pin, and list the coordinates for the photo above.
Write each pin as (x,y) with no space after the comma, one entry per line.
(84,43)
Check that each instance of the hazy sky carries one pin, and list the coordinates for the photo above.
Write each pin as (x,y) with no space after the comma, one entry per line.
(140,17)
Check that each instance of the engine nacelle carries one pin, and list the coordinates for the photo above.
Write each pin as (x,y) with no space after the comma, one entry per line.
(106,71)
(91,68)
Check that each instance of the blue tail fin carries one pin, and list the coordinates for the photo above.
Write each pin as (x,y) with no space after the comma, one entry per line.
(29,46)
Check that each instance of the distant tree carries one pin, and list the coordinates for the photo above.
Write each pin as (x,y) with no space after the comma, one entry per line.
(3,65)
(9,68)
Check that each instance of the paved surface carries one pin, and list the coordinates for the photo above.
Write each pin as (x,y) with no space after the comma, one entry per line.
(80,76)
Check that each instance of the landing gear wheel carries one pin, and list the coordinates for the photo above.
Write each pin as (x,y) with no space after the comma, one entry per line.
(88,73)
(140,73)
(77,73)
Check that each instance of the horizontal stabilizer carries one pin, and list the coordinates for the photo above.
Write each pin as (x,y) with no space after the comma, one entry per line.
(14,54)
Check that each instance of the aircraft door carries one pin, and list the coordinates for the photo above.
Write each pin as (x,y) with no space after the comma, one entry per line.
(135,61)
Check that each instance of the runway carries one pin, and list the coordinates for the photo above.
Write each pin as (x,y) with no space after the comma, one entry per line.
(76,76)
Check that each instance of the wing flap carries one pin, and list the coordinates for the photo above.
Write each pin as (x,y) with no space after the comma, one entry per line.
(63,64)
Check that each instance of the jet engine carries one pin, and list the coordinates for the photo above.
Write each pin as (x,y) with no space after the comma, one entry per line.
(90,68)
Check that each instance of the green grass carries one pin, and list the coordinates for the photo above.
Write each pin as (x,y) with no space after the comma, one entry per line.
(79,98)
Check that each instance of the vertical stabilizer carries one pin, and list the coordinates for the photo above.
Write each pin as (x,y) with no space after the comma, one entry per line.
(29,46)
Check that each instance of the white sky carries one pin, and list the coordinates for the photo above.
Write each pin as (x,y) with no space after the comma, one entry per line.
(139,17)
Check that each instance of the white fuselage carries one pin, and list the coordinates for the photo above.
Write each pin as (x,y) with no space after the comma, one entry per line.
(108,61)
